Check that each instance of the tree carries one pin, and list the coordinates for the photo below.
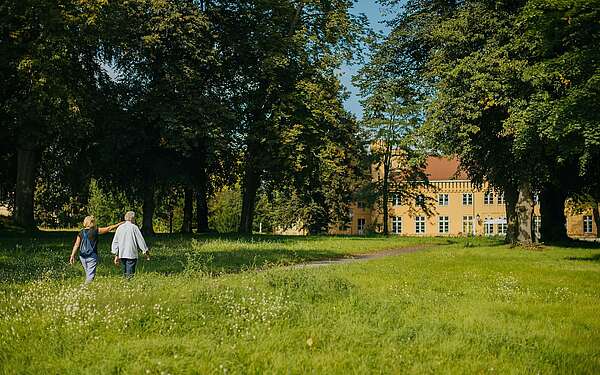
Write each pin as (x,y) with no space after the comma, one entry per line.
(164,59)
(319,152)
(559,41)
(49,61)
(514,109)
(392,105)
(275,44)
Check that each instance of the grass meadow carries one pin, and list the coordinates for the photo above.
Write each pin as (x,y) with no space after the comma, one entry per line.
(216,305)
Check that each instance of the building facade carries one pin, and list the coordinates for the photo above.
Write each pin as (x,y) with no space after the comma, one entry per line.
(455,206)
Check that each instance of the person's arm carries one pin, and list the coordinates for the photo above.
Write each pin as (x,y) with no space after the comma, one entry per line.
(139,239)
(74,251)
(109,228)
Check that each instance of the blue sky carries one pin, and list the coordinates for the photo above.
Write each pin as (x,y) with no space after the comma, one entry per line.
(373,11)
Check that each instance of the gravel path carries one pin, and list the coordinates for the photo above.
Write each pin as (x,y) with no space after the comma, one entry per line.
(361,257)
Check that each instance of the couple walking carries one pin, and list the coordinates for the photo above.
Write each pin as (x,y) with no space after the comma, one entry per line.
(128,239)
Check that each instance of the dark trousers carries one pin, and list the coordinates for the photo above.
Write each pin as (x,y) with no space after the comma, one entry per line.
(128,266)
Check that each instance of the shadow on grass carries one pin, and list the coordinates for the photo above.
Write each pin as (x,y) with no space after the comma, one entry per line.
(576,244)
(475,241)
(45,254)
(593,258)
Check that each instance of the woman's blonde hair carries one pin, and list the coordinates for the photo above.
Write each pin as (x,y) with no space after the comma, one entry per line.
(89,222)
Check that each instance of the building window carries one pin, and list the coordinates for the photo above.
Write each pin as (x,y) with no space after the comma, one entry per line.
(396,199)
(467,199)
(536,198)
(443,224)
(501,198)
(488,198)
(420,224)
(502,226)
(396,225)
(587,224)
(361,225)
(537,225)
(467,224)
(443,199)
(361,205)
(488,226)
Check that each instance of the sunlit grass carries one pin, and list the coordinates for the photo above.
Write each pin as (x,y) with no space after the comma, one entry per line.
(222,305)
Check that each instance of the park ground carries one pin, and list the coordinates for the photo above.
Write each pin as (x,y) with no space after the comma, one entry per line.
(209,304)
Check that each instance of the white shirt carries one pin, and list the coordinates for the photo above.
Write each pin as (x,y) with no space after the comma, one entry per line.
(127,240)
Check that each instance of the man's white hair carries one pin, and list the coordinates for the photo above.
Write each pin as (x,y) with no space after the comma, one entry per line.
(129,216)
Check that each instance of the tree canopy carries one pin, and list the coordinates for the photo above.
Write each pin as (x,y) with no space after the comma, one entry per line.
(165,102)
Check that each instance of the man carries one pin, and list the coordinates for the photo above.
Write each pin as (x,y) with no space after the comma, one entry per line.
(128,239)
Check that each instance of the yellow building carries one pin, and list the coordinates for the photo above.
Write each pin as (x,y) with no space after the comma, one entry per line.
(456,207)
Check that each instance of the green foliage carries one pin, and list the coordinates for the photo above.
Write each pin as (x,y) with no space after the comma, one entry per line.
(108,208)
(393,105)
(295,129)
(225,210)
(226,207)
(321,153)
(510,86)
(170,95)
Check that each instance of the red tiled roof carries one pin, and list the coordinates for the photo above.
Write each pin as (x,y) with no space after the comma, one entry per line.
(441,168)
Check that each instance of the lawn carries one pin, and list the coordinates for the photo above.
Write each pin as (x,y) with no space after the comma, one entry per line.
(231,305)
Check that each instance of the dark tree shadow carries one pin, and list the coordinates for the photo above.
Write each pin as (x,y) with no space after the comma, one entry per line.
(576,244)
(29,257)
(592,258)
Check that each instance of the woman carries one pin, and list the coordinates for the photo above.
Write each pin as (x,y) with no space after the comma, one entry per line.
(87,243)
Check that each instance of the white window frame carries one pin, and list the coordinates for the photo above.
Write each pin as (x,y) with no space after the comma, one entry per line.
(443,199)
(536,223)
(587,224)
(501,198)
(420,224)
(396,224)
(359,227)
(468,224)
(396,199)
(488,227)
(488,198)
(467,199)
(502,228)
(444,224)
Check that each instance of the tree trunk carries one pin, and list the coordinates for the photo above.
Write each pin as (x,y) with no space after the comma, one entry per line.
(27,165)
(385,196)
(596,214)
(188,210)
(148,209)
(511,196)
(202,208)
(552,209)
(250,187)
(525,215)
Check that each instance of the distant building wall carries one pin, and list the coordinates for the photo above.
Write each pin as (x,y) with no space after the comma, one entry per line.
(582,225)
(457,208)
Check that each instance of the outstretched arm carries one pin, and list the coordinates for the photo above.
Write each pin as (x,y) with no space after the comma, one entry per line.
(74,251)
(109,228)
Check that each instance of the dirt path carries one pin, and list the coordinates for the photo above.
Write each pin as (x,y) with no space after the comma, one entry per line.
(361,257)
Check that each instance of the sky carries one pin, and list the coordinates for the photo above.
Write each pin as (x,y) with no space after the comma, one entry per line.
(373,11)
